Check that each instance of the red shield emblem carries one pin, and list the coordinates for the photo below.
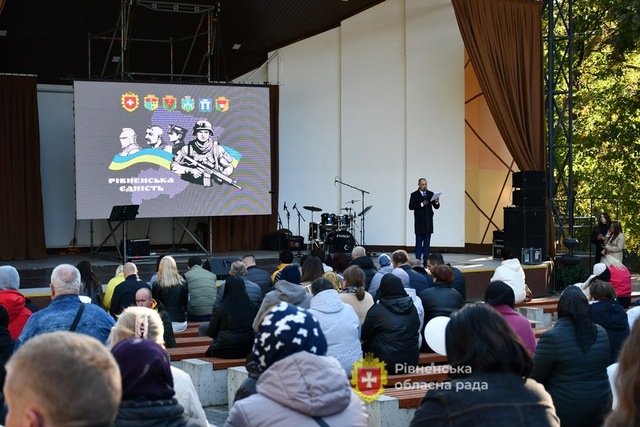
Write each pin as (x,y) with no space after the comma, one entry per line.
(129,101)
(369,380)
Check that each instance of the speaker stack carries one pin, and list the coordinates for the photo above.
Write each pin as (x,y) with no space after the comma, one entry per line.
(525,223)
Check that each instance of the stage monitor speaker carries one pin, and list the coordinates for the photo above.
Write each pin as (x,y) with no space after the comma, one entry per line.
(221,266)
(529,198)
(525,228)
(276,241)
(295,243)
(528,180)
(138,248)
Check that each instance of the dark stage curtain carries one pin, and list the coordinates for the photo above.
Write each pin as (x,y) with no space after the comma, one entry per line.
(245,233)
(504,41)
(21,213)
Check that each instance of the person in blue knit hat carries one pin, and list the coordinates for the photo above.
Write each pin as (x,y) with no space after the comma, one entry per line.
(299,384)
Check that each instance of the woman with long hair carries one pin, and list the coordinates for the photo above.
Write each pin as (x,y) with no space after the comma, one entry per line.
(627,383)
(353,292)
(614,245)
(231,322)
(489,370)
(311,270)
(171,290)
(571,361)
(91,285)
(600,234)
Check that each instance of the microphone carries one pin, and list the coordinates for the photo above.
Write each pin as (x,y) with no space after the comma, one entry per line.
(285,206)
(294,205)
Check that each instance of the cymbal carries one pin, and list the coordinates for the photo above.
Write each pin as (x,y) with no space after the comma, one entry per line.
(367,209)
(313,208)
(352,201)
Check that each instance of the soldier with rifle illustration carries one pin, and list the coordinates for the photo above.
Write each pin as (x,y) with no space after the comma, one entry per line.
(204,160)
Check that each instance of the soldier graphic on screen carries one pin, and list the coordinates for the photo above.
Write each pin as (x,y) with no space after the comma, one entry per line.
(128,142)
(203,160)
(153,136)
(176,137)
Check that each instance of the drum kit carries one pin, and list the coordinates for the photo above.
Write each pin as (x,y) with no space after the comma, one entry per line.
(335,231)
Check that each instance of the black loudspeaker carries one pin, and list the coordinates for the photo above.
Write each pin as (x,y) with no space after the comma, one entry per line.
(295,243)
(529,198)
(525,228)
(221,266)
(276,241)
(528,180)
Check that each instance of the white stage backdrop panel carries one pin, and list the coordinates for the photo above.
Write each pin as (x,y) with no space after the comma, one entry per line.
(175,150)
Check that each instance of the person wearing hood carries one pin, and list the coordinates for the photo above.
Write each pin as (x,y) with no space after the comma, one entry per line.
(339,323)
(500,296)
(360,258)
(286,289)
(510,272)
(299,384)
(148,396)
(391,327)
(606,312)
(404,278)
(384,261)
(600,271)
(13,300)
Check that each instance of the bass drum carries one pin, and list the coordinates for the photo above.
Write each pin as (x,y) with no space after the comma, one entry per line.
(339,241)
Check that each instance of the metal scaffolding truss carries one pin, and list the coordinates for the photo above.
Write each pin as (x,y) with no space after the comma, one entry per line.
(559,80)
(206,32)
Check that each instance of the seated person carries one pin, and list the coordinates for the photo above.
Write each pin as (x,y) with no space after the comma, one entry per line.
(606,312)
(338,321)
(391,327)
(510,272)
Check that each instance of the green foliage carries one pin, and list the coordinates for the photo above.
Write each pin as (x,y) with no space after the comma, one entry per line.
(567,276)
(606,106)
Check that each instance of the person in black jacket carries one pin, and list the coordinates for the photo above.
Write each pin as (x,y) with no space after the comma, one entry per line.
(360,258)
(599,234)
(231,322)
(390,329)
(571,362)
(483,350)
(256,274)
(125,293)
(422,206)
(439,300)
(606,312)
(459,283)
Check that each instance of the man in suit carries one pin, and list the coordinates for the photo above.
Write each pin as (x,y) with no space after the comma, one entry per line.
(422,206)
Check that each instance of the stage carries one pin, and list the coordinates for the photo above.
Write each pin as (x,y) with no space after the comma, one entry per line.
(477,269)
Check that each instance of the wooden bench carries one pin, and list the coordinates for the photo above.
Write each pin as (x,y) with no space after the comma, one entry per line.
(219,363)
(407,397)
(192,352)
(192,341)
(432,359)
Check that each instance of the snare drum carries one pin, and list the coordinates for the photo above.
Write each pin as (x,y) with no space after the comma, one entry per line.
(314,231)
(344,221)
(328,221)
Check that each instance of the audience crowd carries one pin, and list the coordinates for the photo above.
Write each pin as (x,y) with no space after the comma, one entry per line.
(302,330)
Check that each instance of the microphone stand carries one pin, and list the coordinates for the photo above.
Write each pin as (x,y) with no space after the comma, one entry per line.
(363,192)
(288,216)
(279,222)
(299,216)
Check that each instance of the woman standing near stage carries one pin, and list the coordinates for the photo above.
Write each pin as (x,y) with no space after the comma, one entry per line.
(614,245)
(600,234)
(171,290)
